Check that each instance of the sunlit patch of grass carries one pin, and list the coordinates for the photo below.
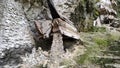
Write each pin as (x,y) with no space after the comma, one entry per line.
(102,42)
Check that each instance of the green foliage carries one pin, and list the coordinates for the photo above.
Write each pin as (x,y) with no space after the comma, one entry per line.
(94,29)
(118,10)
(81,59)
(102,42)
(84,15)
(114,46)
(97,29)
(98,43)
(102,61)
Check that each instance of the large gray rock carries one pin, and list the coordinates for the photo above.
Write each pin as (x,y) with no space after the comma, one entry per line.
(15,37)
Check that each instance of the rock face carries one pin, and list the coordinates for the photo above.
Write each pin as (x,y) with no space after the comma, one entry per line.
(15,37)
(57,51)
(108,13)
(66,7)
(17,28)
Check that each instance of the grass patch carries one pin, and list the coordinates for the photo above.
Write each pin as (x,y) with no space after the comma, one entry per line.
(98,29)
(102,42)
(85,58)
(99,42)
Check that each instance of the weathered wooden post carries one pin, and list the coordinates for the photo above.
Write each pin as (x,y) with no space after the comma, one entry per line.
(59,26)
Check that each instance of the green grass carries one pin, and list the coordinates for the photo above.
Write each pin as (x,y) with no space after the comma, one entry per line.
(99,43)
(98,29)
(102,42)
